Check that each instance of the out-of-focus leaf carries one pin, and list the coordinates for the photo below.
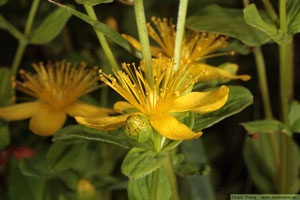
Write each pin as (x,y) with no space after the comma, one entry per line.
(116,137)
(4,134)
(112,34)
(293,16)
(93,2)
(62,156)
(140,162)
(23,187)
(294,113)
(226,21)
(36,167)
(10,28)
(191,169)
(260,162)
(254,19)
(198,187)
(50,27)
(237,47)
(294,116)
(264,126)
(239,99)
(140,188)
(3,2)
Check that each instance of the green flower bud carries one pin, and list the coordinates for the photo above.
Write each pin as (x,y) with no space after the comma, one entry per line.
(138,128)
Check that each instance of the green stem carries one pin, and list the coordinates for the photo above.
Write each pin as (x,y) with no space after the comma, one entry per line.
(262,77)
(103,42)
(31,16)
(144,39)
(168,168)
(18,57)
(22,44)
(285,68)
(263,84)
(270,10)
(290,69)
(154,182)
(180,31)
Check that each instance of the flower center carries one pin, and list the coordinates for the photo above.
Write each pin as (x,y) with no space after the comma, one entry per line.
(58,84)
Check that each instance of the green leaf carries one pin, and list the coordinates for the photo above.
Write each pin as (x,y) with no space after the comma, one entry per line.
(10,28)
(4,134)
(112,34)
(237,47)
(226,21)
(93,2)
(239,99)
(36,167)
(293,16)
(117,137)
(260,162)
(294,116)
(140,188)
(61,156)
(50,27)
(294,113)
(140,162)
(195,187)
(254,19)
(187,168)
(23,187)
(264,126)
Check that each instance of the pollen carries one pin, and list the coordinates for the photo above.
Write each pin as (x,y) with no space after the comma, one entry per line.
(58,84)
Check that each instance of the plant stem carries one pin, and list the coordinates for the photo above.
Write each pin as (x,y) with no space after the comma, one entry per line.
(144,39)
(22,44)
(154,181)
(168,168)
(263,84)
(180,31)
(290,70)
(18,57)
(270,10)
(31,16)
(285,68)
(103,42)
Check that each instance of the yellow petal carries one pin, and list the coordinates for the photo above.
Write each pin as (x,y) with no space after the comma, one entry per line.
(206,72)
(171,128)
(201,102)
(155,51)
(20,111)
(47,121)
(79,108)
(120,106)
(103,123)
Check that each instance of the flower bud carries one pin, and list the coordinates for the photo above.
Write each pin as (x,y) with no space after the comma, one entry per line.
(138,128)
(85,190)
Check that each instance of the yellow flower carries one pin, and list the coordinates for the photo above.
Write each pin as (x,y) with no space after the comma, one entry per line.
(196,46)
(167,97)
(57,88)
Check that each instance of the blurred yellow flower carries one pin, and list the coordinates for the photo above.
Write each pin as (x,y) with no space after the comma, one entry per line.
(196,46)
(57,88)
(169,95)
